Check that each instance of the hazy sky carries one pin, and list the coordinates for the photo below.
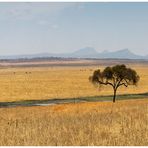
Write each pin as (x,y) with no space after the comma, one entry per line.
(27,28)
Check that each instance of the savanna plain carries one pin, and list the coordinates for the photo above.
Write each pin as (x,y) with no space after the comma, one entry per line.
(91,123)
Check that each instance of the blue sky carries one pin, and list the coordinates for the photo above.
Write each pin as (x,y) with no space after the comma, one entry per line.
(27,28)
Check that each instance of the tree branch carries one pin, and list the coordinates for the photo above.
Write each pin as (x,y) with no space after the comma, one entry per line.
(105,83)
(118,83)
(123,84)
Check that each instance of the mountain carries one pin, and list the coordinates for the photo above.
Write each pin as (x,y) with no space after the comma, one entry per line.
(24,56)
(87,52)
(120,54)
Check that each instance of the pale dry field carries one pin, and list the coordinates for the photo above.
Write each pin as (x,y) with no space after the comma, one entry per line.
(58,82)
(103,123)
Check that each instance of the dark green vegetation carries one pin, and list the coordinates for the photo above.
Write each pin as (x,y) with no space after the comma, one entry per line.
(72,100)
(115,76)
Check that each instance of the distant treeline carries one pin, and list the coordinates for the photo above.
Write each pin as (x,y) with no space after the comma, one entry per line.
(71,59)
(38,59)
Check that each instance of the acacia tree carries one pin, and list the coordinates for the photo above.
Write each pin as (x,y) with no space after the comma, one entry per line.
(116,76)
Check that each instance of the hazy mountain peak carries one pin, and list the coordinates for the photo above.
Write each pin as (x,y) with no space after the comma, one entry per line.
(126,50)
(85,52)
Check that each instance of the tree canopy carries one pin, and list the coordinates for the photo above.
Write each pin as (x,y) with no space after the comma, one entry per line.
(115,76)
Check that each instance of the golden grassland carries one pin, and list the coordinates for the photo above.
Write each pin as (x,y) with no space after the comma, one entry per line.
(101,123)
(58,82)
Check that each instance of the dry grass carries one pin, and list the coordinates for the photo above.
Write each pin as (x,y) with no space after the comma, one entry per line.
(64,82)
(122,123)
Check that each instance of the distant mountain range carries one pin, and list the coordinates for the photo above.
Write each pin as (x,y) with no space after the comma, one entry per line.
(87,52)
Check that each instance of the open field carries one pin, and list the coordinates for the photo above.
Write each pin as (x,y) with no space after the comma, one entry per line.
(36,83)
(102,123)
(96,123)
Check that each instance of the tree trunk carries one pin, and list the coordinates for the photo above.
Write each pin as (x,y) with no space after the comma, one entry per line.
(114,97)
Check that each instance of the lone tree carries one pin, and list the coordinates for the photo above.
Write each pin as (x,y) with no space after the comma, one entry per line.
(116,76)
